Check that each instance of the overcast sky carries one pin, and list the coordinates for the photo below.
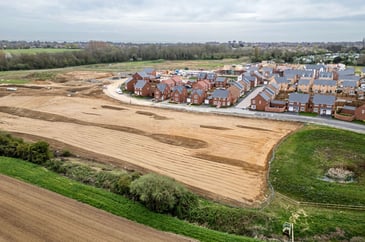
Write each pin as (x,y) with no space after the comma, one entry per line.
(182,20)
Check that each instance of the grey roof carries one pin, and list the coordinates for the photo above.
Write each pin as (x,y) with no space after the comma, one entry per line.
(219,93)
(197,91)
(148,70)
(304,82)
(211,76)
(347,72)
(305,73)
(352,108)
(349,84)
(264,96)
(128,80)
(274,85)
(238,85)
(298,97)
(325,74)
(202,75)
(349,78)
(220,79)
(140,84)
(278,102)
(314,67)
(179,89)
(267,69)
(161,87)
(330,83)
(282,80)
(269,90)
(143,74)
(249,78)
(290,73)
(324,99)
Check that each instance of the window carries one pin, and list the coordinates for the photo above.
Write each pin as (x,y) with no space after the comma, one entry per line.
(253,101)
(363,111)
(315,110)
(302,109)
(254,107)
(259,101)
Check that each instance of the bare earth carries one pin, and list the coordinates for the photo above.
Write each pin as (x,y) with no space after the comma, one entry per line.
(224,158)
(29,213)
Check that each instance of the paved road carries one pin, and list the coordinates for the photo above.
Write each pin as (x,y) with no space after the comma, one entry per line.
(125,98)
(245,103)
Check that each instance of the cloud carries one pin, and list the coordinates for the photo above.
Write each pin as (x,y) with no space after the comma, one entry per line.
(185,20)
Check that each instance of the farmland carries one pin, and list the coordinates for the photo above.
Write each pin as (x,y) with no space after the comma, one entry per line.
(31,51)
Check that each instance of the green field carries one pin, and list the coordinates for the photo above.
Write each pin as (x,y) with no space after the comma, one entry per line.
(302,161)
(13,81)
(108,201)
(38,50)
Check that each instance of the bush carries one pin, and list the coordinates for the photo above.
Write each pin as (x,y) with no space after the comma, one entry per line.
(39,152)
(163,195)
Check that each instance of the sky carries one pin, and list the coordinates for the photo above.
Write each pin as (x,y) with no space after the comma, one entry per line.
(145,21)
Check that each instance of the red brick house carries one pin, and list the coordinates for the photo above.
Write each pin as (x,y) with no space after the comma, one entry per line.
(298,102)
(178,81)
(202,84)
(197,96)
(150,71)
(142,88)
(162,92)
(221,98)
(260,102)
(235,93)
(221,82)
(360,113)
(129,84)
(323,104)
(169,82)
(179,94)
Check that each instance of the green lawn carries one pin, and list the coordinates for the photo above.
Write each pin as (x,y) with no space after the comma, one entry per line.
(304,158)
(308,114)
(108,201)
(13,81)
(38,50)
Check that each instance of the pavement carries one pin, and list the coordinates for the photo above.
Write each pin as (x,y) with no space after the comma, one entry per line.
(239,110)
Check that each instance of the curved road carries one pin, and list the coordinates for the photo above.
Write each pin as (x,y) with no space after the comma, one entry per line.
(110,91)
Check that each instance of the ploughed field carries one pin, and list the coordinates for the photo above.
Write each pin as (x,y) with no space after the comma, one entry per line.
(224,158)
(29,213)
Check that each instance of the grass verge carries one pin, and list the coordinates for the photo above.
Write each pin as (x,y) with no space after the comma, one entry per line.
(108,201)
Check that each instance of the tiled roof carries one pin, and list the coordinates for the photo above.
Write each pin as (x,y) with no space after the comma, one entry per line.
(220,79)
(179,89)
(161,87)
(140,84)
(304,82)
(200,92)
(219,93)
(324,99)
(330,83)
(298,97)
(282,80)
(349,84)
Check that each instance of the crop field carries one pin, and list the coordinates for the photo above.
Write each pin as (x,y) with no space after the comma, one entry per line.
(223,158)
(38,50)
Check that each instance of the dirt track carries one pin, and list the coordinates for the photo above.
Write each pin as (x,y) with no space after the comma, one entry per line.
(29,213)
(222,157)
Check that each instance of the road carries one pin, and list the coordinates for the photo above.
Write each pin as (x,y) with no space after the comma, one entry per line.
(234,111)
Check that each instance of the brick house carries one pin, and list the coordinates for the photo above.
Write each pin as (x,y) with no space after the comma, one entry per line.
(221,98)
(141,75)
(304,85)
(260,102)
(291,75)
(221,82)
(282,82)
(142,88)
(298,102)
(323,104)
(197,96)
(177,80)
(325,75)
(349,87)
(240,85)
(360,113)
(129,84)
(252,80)
(202,84)
(179,94)
(202,76)
(211,76)
(162,92)
(235,93)
(150,71)
(324,86)
(169,82)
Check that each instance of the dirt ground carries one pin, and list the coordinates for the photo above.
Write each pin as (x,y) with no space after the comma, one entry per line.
(223,158)
(29,213)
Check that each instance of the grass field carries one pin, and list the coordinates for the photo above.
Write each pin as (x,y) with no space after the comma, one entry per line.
(38,50)
(107,201)
(304,158)
(13,81)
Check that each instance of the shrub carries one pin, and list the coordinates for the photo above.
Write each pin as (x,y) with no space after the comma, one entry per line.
(163,195)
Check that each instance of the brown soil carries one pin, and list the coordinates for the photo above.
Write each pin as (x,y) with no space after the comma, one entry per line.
(229,164)
(29,213)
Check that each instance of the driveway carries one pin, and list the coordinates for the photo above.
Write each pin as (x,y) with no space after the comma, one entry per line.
(246,102)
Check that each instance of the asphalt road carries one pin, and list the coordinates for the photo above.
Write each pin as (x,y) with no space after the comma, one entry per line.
(110,90)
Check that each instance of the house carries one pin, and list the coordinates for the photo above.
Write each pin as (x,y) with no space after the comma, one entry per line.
(276,106)
(169,82)
(235,93)
(179,94)
(298,102)
(360,113)
(177,80)
(315,69)
(202,84)
(142,88)
(349,87)
(141,75)
(267,71)
(304,85)
(197,96)
(252,80)
(346,113)
(221,82)
(291,75)
(129,84)
(325,75)
(304,74)
(150,71)
(221,98)
(323,104)
(202,76)
(324,86)
(282,82)
(211,76)
(260,102)
(240,85)
(347,72)
(162,92)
